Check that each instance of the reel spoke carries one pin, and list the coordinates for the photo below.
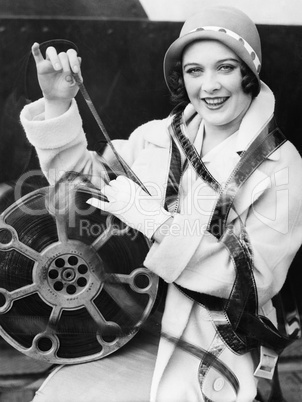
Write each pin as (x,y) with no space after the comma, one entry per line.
(115,279)
(27,251)
(102,239)
(140,280)
(24,291)
(55,315)
(7,298)
(12,242)
(123,298)
(98,318)
(61,223)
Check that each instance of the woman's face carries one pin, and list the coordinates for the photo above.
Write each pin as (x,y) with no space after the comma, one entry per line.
(212,78)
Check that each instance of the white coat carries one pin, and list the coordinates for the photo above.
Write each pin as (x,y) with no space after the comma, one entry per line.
(269,205)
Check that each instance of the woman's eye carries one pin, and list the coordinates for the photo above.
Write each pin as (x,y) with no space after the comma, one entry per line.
(226,67)
(194,71)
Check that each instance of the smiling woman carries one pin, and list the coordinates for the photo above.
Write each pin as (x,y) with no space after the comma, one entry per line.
(213,80)
(219,199)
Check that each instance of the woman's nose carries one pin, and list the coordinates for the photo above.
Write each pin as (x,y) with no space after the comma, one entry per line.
(210,83)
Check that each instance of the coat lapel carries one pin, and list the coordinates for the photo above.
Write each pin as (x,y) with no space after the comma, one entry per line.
(152,163)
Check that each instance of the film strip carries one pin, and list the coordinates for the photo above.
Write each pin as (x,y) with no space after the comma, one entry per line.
(241,329)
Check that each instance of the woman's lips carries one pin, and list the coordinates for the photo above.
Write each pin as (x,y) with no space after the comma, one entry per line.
(215,103)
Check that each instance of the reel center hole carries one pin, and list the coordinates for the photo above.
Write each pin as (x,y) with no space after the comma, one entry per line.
(109,338)
(5,236)
(44,344)
(141,281)
(2,300)
(68,274)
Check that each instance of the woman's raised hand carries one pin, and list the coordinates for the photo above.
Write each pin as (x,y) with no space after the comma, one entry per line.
(55,73)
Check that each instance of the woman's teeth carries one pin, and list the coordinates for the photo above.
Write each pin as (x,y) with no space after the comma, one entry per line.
(215,101)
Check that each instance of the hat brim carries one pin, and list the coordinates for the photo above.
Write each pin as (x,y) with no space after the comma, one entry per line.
(175,51)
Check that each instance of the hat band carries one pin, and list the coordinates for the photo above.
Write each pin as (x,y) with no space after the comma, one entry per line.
(254,58)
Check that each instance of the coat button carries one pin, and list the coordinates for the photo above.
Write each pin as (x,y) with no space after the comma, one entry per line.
(218,384)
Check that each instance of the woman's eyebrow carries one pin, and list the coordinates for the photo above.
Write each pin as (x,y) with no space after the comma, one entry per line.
(191,64)
(228,59)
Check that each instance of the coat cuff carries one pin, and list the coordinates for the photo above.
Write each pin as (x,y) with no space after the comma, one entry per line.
(52,133)
(169,258)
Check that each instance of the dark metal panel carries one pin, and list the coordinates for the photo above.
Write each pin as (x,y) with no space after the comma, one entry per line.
(122,69)
(128,9)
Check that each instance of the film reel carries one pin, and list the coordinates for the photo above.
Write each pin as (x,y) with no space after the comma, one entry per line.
(73,287)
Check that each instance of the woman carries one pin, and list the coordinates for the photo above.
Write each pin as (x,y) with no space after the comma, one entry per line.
(225,239)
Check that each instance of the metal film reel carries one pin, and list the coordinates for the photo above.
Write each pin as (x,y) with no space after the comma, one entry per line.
(73,287)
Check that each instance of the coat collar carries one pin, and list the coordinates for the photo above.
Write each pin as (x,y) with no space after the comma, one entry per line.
(256,118)
(157,137)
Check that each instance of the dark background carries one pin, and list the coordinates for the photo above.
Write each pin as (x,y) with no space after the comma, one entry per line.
(122,54)
(122,69)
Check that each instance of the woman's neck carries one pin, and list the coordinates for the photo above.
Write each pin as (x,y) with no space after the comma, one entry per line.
(214,134)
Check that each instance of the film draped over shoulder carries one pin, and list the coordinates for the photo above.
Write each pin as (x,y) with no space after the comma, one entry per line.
(151,222)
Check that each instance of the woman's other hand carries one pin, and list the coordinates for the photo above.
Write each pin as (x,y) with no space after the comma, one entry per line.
(56,80)
(131,204)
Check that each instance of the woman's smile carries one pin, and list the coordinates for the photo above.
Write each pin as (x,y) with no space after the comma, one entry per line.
(213,81)
(215,103)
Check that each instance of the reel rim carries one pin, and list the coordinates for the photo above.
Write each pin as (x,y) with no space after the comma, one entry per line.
(44,261)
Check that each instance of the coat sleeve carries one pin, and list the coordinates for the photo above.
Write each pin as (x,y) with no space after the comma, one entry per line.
(274,224)
(192,257)
(61,144)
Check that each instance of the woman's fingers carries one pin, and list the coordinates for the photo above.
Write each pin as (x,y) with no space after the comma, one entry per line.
(74,61)
(97,203)
(66,61)
(52,56)
(110,192)
(122,182)
(35,49)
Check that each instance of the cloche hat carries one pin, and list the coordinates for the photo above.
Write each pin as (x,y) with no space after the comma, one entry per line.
(227,25)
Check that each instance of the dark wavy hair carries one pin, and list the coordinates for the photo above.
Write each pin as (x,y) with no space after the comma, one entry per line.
(179,96)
